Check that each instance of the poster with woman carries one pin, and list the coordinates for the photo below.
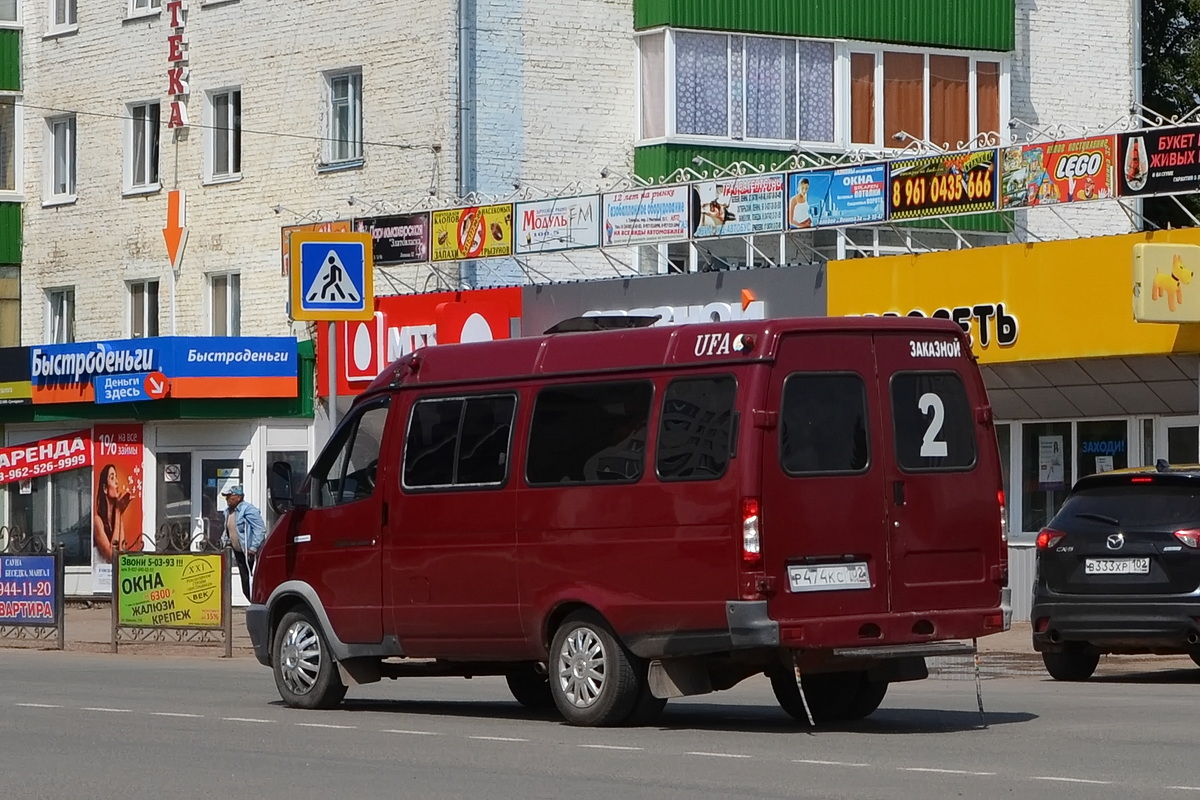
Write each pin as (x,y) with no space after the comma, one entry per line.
(116,498)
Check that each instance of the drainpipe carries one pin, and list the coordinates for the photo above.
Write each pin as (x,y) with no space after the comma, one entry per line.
(1138,205)
(466,110)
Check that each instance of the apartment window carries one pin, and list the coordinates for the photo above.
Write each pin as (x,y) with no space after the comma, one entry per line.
(139,7)
(143,309)
(8,11)
(225,304)
(142,169)
(345,118)
(60,316)
(63,14)
(225,156)
(8,142)
(862,98)
(61,174)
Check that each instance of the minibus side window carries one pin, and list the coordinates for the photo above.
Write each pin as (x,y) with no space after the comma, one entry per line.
(696,429)
(934,425)
(349,473)
(823,424)
(589,433)
(459,441)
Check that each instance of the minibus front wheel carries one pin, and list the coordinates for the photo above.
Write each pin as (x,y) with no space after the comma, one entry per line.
(305,673)
(593,677)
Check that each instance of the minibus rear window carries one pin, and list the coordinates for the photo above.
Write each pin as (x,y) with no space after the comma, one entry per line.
(823,424)
(934,426)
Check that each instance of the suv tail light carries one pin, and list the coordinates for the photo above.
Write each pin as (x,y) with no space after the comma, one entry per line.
(1191,538)
(751,535)
(1048,538)
(1003,517)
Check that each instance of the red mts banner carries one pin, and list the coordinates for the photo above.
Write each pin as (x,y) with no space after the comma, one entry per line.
(45,457)
(117,513)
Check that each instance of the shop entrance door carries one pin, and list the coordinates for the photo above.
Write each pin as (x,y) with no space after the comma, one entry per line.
(213,473)
(1177,440)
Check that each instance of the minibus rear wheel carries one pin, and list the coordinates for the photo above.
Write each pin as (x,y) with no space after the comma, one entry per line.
(832,696)
(530,687)
(305,673)
(593,677)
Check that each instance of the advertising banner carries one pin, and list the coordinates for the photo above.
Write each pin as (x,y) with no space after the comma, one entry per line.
(27,590)
(400,239)
(646,216)
(564,223)
(46,456)
(15,386)
(934,186)
(285,239)
(738,206)
(169,591)
(1058,172)
(825,198)
(117,493)
(1160,162)
(462,234)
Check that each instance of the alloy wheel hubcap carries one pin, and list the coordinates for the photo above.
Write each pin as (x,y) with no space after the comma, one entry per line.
(581,667)
(300,657)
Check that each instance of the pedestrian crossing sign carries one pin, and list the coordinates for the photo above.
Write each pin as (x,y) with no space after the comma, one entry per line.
(333,280)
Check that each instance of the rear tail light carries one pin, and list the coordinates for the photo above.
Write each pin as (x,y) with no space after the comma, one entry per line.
(1003,517)
(1191,538)
(751,534)
(1141,480)
(1048,538)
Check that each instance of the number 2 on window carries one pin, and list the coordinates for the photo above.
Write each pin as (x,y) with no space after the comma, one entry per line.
(930,446)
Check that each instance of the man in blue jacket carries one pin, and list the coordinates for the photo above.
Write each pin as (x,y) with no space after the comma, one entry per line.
(244,532)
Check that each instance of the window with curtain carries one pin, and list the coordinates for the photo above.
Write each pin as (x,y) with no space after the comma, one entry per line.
(702,84)
(987,96)
(949,100)
(8,144)
(862,98)
(903,97)
(142,161)
(764,86)
(654,88)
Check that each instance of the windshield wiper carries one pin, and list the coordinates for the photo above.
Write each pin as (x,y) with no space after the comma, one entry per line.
(1099,518)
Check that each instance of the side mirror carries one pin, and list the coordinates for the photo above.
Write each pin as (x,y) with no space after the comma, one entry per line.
(279,487)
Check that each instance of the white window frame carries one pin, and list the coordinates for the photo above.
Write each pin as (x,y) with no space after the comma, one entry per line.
(151,158)
(143,8)
(17,192)
(16,22)
(841,94)
(70,132)
(148,319)
(354,144)
(213,131)
(67,295)
(232,322)
(68,22)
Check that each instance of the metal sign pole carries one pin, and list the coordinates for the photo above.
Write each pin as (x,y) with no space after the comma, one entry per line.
(60,603)
(333,412)
(116,581)
(227,599)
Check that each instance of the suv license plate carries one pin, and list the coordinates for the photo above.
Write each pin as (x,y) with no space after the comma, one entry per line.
(1116,566)
(829,577)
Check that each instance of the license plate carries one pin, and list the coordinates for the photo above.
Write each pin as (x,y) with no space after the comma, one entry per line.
(829,577)
(1116,566)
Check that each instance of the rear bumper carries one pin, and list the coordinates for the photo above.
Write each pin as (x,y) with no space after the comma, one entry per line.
(896,628)
(1117,624)
(257,620)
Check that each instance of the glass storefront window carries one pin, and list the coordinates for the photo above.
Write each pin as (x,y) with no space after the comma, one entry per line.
(173,522)
(1103,446)
(1046,471)
(71,514)
(27,511)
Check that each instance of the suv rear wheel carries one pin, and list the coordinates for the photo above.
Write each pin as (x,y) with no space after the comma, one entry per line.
(305,673)
(1075,663)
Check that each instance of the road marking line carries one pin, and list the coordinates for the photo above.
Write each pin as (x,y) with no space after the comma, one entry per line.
(609,747)
(1186,788)
(175,714)
(717,755)
(243,719)
(497,739)
(412,733)
(829,763)
(114,710)
(1068,780)
(945,771)
(324,725)
(37,705)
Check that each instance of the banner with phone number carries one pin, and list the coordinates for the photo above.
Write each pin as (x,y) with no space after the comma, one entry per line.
(169,591)
(27,591)
(46,456)
(935,186)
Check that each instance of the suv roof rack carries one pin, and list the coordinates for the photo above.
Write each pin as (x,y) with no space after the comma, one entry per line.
(601,323)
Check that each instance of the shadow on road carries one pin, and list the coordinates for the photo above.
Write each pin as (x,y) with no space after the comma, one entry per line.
(722,718)
(1182,677)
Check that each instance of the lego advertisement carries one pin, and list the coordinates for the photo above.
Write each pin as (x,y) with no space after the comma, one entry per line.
(1058,172)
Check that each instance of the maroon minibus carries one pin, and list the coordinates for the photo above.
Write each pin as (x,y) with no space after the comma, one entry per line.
(611,515)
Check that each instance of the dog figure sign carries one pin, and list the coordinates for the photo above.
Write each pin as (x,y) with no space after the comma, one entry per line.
(1162,278)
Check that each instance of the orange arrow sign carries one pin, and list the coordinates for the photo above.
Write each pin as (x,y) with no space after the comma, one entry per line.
(175,233)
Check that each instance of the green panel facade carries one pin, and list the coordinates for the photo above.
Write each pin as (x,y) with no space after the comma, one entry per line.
(10,233)
(969,24)
(10,60)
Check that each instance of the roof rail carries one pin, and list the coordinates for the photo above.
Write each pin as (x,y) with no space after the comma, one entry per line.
(601,323)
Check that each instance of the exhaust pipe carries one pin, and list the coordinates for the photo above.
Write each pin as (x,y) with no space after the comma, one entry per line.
(1055,637)
(1193,638)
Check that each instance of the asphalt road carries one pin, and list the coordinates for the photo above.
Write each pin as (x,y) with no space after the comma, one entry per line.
(80,725)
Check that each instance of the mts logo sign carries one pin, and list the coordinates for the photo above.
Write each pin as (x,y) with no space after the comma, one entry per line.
(404,323)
